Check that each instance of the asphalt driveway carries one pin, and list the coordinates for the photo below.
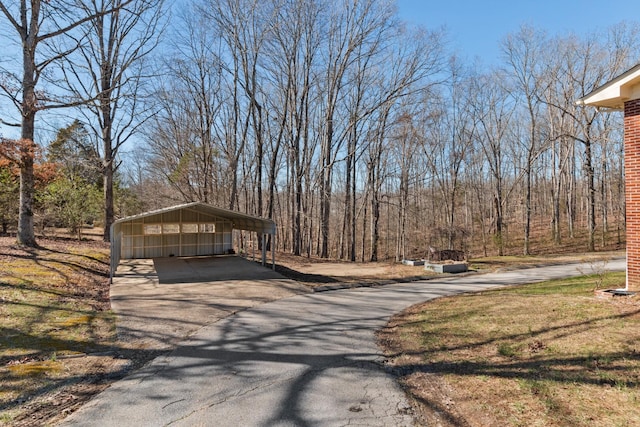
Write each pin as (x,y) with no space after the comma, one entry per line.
(307,360)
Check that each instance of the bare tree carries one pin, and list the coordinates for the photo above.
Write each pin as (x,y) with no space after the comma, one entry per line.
(111,70)
(448,136)
(242,25)
(326,116)
(184,135)
(492,110)
(587,64)
(293,52)
(354,31)
(376,173)
(522,51)
(405,147)
(557,121)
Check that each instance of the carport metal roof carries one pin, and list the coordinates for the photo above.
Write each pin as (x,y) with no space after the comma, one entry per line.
(239,220)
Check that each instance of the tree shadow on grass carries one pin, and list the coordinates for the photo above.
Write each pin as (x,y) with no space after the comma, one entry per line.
(45,348)
(41,259)
(531,365)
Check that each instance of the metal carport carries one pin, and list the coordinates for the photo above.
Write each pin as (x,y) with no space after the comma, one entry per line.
(191,229)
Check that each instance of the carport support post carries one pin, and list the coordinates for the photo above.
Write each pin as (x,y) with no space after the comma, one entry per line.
(264,249)
(273,252)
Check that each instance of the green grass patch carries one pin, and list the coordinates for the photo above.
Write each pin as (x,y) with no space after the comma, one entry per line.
(35,369)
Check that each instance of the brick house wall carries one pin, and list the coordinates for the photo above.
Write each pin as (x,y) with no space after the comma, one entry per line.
(632,186)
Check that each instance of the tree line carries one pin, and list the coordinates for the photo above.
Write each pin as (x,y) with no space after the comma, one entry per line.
(363,137)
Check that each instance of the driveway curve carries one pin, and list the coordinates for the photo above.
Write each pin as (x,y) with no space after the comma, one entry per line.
(308,360)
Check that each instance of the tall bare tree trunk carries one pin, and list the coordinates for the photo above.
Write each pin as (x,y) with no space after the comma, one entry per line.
(26,233)
(591,196)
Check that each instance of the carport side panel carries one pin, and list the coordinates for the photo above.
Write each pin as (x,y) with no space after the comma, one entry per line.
(206,244)
(137,243)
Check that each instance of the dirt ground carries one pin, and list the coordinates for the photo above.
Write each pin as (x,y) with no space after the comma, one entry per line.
(52,297)
(316,273)
(369,270)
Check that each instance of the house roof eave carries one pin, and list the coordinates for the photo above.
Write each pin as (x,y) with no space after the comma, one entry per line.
(613,94)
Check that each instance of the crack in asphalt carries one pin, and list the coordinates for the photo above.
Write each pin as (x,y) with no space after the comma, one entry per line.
(260,384)
(171,403)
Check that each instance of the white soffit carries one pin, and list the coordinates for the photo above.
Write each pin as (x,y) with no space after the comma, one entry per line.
(615,93)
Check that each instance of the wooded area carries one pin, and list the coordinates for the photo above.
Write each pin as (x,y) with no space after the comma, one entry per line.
(363,137)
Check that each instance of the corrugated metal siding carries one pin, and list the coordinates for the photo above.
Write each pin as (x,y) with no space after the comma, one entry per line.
(173,241)
(207,244)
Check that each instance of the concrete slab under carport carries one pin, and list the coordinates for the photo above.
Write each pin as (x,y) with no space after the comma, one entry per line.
(159,302)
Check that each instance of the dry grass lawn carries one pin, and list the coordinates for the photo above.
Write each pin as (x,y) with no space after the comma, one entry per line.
(547,354)
(57,331)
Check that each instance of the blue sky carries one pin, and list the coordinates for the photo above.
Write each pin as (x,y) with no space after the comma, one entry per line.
(476,27)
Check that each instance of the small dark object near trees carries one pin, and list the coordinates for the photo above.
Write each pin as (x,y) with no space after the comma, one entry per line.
(445,255)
